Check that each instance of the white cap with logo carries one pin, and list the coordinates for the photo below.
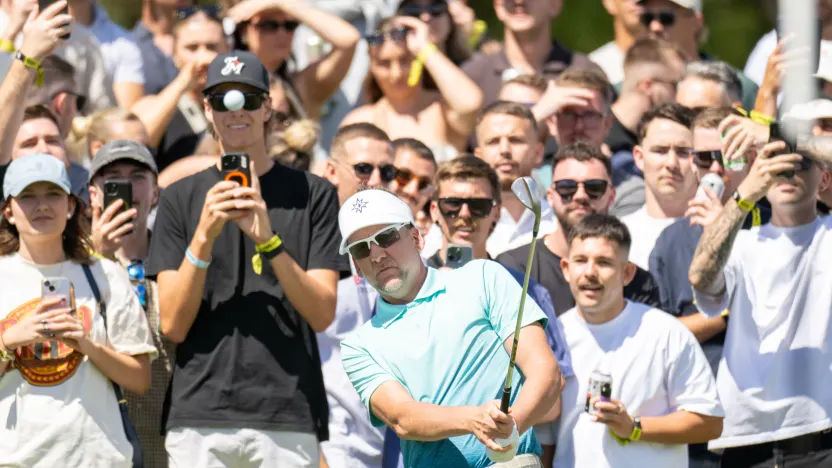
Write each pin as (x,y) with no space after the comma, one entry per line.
(369,208)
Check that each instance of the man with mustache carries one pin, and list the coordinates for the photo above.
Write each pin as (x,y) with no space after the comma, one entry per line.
(582,185)
(664,157)
(507,140)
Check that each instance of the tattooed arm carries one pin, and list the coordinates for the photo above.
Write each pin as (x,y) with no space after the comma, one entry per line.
(706,269)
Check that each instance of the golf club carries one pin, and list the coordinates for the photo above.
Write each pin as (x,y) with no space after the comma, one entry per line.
(525,189)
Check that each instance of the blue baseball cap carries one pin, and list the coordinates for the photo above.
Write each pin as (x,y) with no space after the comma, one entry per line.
(34,168)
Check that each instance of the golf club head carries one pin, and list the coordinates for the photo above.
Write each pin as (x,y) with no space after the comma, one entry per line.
(525,189)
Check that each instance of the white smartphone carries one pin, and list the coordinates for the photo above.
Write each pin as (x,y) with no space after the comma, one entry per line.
(713,182)
(57,287)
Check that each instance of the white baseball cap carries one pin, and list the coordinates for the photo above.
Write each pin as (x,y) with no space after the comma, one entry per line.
(369,208)
(695,5)
(812,110)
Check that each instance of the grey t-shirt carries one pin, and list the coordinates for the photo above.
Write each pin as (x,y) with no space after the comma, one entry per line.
(629,196)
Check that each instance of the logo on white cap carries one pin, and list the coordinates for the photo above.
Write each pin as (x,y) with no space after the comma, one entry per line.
(359,205)
(232,65)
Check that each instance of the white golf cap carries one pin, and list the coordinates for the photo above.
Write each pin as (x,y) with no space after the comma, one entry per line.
(695,5)
(812,110)
(369,208)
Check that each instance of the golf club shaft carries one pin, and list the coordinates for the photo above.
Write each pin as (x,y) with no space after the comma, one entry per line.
(504,403)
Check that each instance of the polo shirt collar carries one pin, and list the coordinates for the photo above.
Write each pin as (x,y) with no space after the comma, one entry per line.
(387,313)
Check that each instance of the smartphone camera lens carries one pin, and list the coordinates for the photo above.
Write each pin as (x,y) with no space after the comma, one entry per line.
(51,288)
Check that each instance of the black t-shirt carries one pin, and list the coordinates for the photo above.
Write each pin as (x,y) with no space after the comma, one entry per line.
(546,270)
(180,141)
(620,138)
(669,263)
(249,360)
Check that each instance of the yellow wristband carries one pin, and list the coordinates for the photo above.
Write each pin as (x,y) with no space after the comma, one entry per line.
(480,28)
(269,245)
(6,46)
(29,62)
(761,118)
(418,64)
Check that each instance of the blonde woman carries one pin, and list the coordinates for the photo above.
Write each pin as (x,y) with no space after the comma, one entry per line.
(89,134)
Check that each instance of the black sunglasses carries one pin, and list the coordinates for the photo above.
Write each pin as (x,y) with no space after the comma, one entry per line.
(479,207)
(403,177)
(665,17)
(384,239)
(185,13)
(377,38)
(705,159)
(435,9)
(365,171)
(594,188)
(253,101)
(271,26)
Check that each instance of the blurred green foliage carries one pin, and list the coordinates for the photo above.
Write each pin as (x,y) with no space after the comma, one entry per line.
(734,25)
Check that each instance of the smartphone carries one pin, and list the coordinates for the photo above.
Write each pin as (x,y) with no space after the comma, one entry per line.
(44,4)
(236,167)
(118,189)
(713,182)
(55,287)
(458,256)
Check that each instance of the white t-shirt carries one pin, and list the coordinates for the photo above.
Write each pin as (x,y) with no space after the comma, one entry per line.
(63,412)
(644,231)
(657,368)
(610,58)
(509,234)
(775,375)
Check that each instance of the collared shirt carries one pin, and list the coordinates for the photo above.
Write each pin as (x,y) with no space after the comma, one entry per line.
(353,441)
(442,358)
(159,70)
(509,234)
(122,55)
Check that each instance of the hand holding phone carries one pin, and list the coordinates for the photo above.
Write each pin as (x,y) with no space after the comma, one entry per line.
(44,4)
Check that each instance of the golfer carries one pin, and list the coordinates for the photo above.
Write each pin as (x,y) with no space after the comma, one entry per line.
(433,359)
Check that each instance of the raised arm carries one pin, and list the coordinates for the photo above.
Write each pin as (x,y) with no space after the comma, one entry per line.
(706,270)
(40,38)
(463,98)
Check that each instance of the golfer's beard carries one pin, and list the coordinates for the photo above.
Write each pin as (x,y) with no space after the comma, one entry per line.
(394,285)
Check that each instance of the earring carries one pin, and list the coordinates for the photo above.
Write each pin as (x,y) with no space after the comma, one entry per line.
(69,215)
(11,219)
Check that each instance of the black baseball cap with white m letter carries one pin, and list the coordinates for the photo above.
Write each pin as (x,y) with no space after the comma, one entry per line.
(237,66)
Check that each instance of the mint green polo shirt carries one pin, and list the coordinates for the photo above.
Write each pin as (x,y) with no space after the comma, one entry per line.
(445,348)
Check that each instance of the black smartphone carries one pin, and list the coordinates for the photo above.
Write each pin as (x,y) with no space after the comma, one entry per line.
(118,189)
(44,4)
(236,167)
(458,255)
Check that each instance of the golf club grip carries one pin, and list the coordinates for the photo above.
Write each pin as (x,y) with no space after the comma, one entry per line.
(505,400)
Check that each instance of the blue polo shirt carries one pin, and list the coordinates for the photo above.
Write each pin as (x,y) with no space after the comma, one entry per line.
(445,348)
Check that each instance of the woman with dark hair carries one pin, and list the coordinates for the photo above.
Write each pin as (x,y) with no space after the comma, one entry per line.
(60,355)
(266,29)
(449,37)
(399,103)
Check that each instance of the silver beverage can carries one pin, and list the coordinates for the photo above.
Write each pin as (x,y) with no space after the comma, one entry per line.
(600,385)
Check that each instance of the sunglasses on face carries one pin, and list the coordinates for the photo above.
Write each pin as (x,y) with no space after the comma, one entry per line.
(705,159)
(403,178)
(365,171)
(253,101)
(478,207)
(384,239)
(185,13)
(511,5)
(666,18)
(594,188)
(377,38)
(270,26)
(434,9)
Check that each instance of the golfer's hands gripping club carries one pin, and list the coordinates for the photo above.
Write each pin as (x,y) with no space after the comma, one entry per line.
(488,424)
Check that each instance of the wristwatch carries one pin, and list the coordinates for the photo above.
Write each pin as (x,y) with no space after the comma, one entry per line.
(744,204)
